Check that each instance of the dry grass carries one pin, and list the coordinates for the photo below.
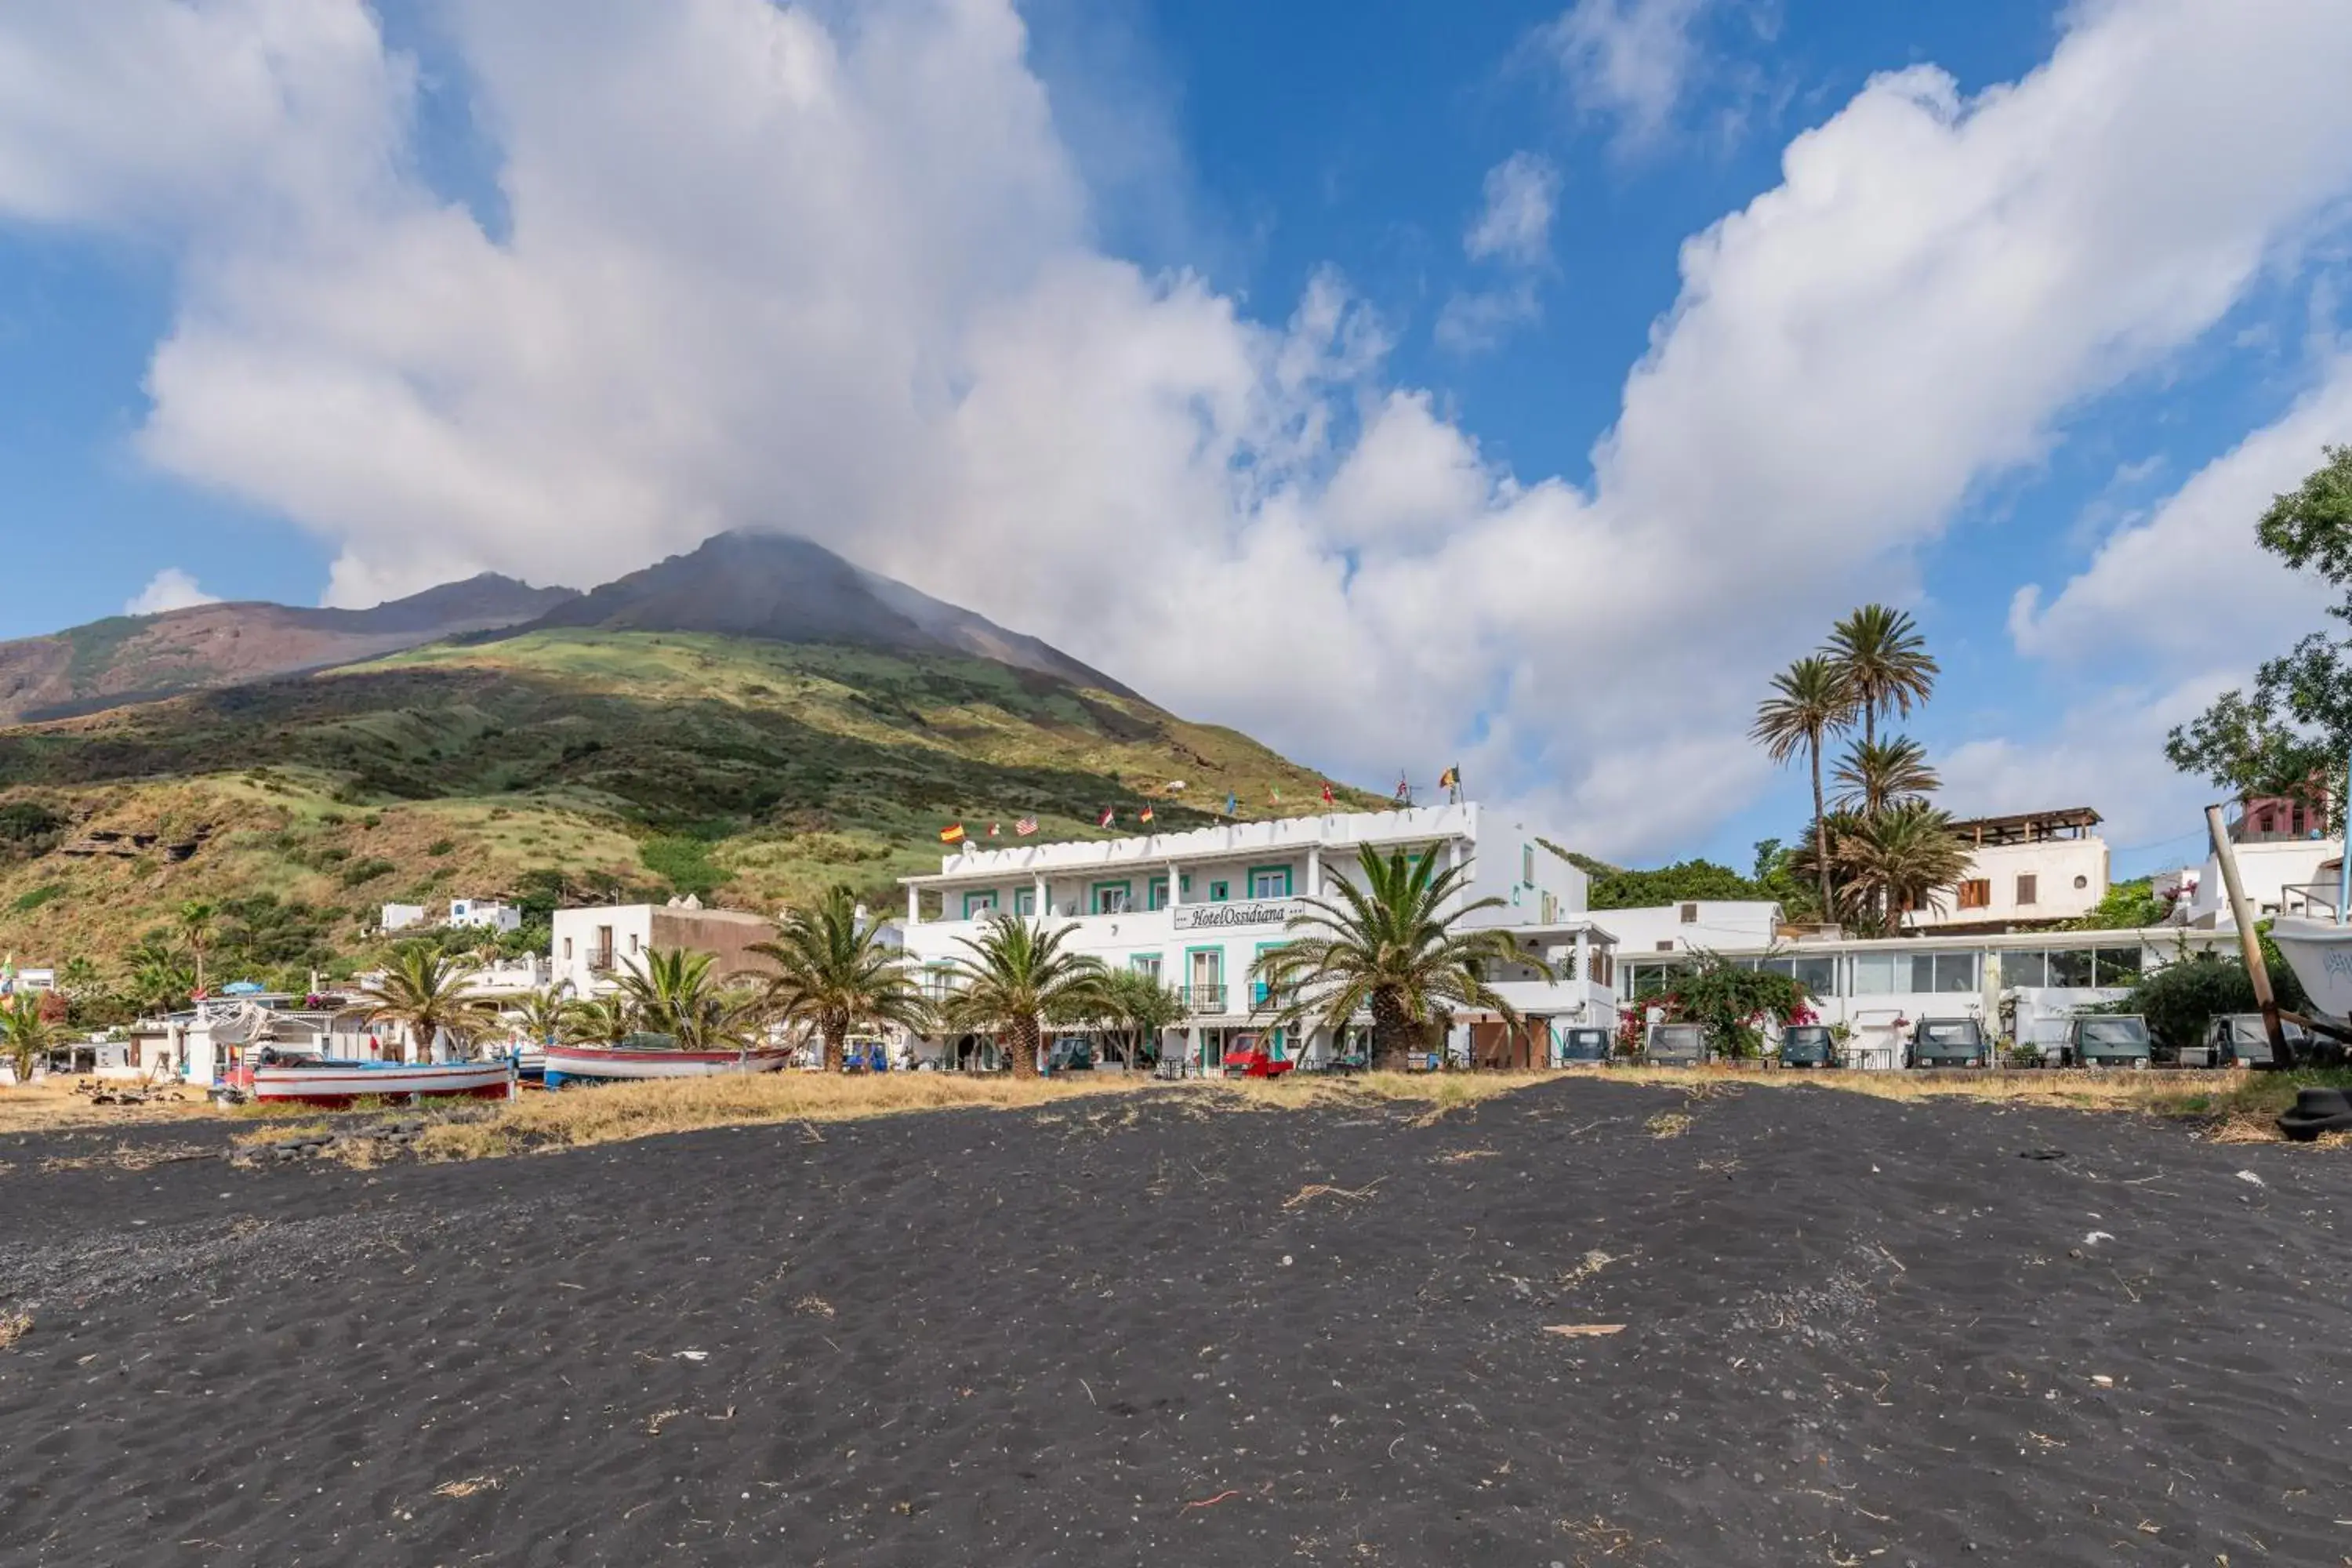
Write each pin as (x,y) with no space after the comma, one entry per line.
(284,1130)
(613,1112)
(14,1326)
(52,1105)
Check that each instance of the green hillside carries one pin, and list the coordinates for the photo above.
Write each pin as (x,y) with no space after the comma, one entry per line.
(573,764)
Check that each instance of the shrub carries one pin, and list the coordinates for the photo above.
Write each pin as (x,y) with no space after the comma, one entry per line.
(441,846)
(27,902)
(367,871)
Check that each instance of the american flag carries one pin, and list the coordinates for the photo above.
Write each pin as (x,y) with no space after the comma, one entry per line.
(1026,826)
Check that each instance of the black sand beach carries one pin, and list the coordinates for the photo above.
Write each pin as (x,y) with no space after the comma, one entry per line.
(1855,1331)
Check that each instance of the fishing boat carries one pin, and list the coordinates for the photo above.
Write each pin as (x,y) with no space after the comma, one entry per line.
(321,1080)
(2319,950)
(649,1056)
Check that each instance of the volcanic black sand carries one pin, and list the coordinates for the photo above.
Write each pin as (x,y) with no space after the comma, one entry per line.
(1856,1332)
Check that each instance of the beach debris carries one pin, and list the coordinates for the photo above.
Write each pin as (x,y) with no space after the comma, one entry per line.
(814,1305)
(1583,1330)
(1314,1190)
(468,1487)
(14,1326)
(1285,1260)
(2249,1176)
(1208,1501)
(2103,1379)
(2043,1154)
(691,1356)
(1668,1124)
(1592,1263)
(660,1419)
(1459,1155)
(2097,1237)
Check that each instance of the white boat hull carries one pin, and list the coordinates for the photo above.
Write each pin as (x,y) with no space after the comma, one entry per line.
(2320,953)
(342,1082)
(603,1063)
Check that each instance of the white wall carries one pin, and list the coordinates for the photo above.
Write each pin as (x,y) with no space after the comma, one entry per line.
(576,940)
(2070,876)
(2265,870)
(1712,924)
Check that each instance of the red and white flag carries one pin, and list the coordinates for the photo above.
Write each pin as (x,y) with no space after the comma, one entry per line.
(996,829)
(1107,818)
(1026,826)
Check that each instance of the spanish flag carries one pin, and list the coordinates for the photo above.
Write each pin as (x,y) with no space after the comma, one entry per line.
(951,834)
(1451,778)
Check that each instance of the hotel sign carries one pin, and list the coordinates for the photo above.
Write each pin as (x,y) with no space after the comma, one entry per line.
(1255,914)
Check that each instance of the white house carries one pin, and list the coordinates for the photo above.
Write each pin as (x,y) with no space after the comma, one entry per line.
(591,945)
(2032,868)
(489,914)
(401,916)
(1197,908)
(1695,924)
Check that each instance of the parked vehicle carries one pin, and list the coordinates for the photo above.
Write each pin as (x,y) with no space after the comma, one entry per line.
(1071,1053)
(1254,1060)
(1808,1046)
(2240,1040)
(2118,1040)
(1583,1045)
(1675,1045)
(1949,1043)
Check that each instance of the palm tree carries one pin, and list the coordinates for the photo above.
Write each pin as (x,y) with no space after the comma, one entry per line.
(1140,1008)
(1902,858)
(1390,945)
(539,1014)
(1884,661)
(24,1034)
(674,991)
(159,979)
(194,925)
(594,1021)
(425,993)
(1015,979)
(1876,775)
(831,977)
(1809,700)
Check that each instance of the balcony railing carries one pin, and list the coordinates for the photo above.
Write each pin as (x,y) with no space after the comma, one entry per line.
(600,961)
(1205,998)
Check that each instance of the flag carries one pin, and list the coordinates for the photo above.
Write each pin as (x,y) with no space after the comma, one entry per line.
(996,829)
(1026,826)
(1107,818)
(1273,794)
(1404,790)
(951,834)
(1451,778)
(1327,795)
(1144,815)
(1233,806)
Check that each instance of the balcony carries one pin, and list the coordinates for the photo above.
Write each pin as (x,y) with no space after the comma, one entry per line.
(600,961)
(1205,998)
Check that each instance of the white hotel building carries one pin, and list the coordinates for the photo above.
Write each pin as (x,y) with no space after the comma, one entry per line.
(1197,908)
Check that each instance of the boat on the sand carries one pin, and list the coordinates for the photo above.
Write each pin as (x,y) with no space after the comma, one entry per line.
(2320,953)
(320,1080)
(649,1061)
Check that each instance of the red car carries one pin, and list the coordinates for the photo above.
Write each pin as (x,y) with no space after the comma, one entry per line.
(1253,1061)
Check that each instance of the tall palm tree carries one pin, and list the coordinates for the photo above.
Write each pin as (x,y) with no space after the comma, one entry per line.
(1015,978)
(196,924)
(1389,942)
(1810,702)
(831,977)
(539,1014)
(1884,661)
(1140,1008)
(1902,858)
(1876,775)
(158,978)
(675,992)
(424,993)
(25,1035)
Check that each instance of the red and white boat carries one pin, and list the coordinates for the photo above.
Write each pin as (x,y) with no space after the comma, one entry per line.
(603,1063)
(316,1081)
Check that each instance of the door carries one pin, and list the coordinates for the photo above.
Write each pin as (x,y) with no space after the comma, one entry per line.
(1207,981)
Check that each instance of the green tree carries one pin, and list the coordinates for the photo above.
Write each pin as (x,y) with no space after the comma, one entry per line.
(1731,1003)
(2126,906)
(833,976)
(539,1014)
(195,923)
(26,1034)
(158,977)
(1386,942)
(1138,1009)
(424,993)
(1810,701)
(1873,775)
(594,1021)
(1899,861)
(1015,978)
(1882,662)
(2292,734)
(676,992)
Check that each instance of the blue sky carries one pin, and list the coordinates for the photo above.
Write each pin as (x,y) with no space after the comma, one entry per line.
(1321,312)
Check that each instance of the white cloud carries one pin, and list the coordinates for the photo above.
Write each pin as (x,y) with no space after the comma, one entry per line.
(1475,320)
(764,266)
(1514,224)
(1629,59)
(170,589)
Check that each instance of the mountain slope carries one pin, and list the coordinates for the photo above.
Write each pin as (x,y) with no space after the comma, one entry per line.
(746,770)
(780,588)
(135,658)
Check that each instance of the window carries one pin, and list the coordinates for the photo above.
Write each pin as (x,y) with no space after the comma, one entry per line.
(2071,967)
(1145,964)
(1975,893)
(1817,974)
(567,949)
(2081,883)
(1690,914)
(979,906)
(1666,946)
(1113,898)
(1155,893)
(2023,969)
(1894,973)
(1269,882)
(1219,892)
(2118,966)
(2295,817)
(633,941)
(1528,861)
(1024,901)
(2029,888)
